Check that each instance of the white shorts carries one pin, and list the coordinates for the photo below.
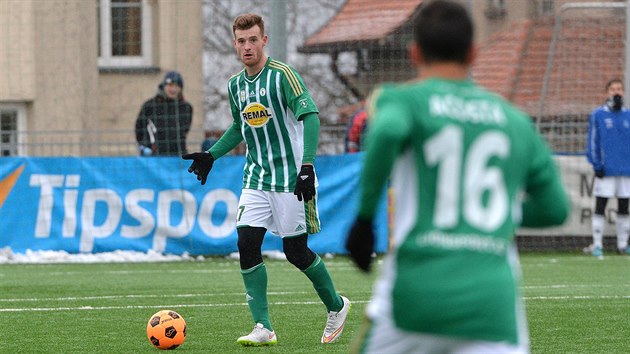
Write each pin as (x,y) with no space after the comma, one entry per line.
(279,212)
(383,337)
(612,187)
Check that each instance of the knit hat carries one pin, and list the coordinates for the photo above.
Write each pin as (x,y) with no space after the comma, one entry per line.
(173,77)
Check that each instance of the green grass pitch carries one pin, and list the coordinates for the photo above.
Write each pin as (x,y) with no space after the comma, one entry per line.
(575,304)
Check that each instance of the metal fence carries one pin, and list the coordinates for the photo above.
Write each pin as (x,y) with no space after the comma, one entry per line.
(120,142)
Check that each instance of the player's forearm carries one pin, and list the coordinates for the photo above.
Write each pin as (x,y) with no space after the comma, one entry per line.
(386,137)
(373,181)
(228,141)
(548,205)
(382,150)
(311,137)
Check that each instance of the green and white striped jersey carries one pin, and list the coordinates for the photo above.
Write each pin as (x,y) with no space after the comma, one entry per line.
(268,107)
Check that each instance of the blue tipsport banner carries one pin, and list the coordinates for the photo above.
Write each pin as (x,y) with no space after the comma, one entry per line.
(91,205)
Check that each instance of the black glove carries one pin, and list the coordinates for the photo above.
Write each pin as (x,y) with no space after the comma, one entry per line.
(599,173)
(305,183)
(615,103)
(201,166)
(360,243)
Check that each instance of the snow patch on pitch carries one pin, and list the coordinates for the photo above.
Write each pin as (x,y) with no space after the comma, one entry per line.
(7,256)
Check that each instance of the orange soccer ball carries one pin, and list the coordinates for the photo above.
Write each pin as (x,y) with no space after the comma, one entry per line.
(166,329)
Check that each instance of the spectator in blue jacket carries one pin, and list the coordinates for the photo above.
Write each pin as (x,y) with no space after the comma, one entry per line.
(608,150)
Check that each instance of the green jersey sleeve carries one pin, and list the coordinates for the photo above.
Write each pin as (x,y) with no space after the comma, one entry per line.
(546,202)
(388,132)
(311,137)
(228,141)
(232,136)
(294,91)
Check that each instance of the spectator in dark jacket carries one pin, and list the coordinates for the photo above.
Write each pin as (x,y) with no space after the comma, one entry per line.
(164,120)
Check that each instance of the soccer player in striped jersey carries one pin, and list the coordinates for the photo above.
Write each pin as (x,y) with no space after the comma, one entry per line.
(274,113)
(468,168)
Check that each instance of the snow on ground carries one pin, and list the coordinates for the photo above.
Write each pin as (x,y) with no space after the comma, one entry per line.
(37,257)
(7,256)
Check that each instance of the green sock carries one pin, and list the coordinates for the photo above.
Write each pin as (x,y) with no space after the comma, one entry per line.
(323,284)
(255,280)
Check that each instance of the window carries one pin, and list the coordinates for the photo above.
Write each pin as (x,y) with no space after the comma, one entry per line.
(12,128)
(495,9)
(124,35)
(546,7)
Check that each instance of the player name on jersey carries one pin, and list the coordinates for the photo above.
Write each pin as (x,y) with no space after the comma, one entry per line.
(470,110)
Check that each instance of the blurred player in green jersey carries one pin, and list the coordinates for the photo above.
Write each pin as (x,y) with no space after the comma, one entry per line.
(467,169)
(276,116)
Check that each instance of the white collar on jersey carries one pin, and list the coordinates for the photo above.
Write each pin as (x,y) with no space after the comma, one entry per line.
(255,77)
